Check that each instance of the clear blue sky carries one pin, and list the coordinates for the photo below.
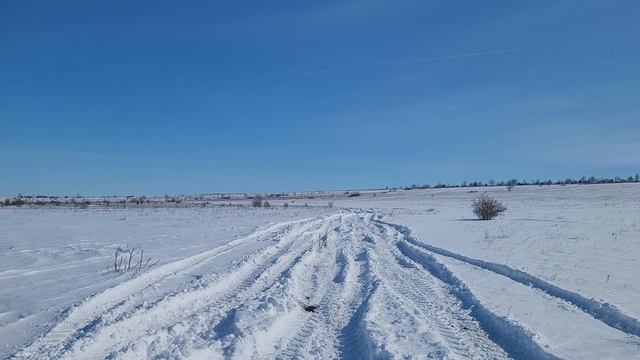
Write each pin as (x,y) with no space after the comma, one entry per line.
(119,97)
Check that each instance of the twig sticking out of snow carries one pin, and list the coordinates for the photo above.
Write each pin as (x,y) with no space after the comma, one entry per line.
(122,264)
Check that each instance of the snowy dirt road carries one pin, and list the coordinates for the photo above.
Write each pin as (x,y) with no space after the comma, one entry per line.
(347,285)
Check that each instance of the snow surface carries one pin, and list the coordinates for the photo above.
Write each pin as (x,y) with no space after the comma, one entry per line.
(397,274)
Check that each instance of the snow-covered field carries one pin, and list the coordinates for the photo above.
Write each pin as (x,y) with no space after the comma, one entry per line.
(404,274)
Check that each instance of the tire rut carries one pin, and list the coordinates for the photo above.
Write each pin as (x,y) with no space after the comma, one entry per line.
(113,337)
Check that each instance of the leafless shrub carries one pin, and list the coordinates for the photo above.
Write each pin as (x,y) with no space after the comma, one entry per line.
(487,208)
(257,201)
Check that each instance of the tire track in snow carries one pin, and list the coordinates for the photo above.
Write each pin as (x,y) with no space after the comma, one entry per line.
(320,336)
(108,338)
(90,311)
(606,313)
(224,310)
(354,339)
(314,253)
(454,334)
(337,331)
(361,273)
(251,278)
(383,280)
(515,340)
(210,323)
(311,282)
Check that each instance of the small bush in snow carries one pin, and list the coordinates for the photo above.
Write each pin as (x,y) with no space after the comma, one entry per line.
(257,201)
(266,204)
(487,208)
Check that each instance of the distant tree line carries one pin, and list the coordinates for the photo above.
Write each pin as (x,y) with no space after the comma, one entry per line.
(77,201)
(258,200)
(515,182)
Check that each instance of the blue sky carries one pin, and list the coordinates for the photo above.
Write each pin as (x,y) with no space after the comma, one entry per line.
(159,97)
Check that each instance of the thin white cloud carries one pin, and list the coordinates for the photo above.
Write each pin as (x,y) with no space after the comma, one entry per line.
(399,63)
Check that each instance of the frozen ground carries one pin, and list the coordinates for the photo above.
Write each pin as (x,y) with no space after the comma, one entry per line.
(404,274)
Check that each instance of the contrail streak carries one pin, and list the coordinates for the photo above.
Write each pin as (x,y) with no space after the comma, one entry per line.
(404,62)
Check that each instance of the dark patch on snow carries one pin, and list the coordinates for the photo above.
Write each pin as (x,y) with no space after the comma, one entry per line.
(309,308)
